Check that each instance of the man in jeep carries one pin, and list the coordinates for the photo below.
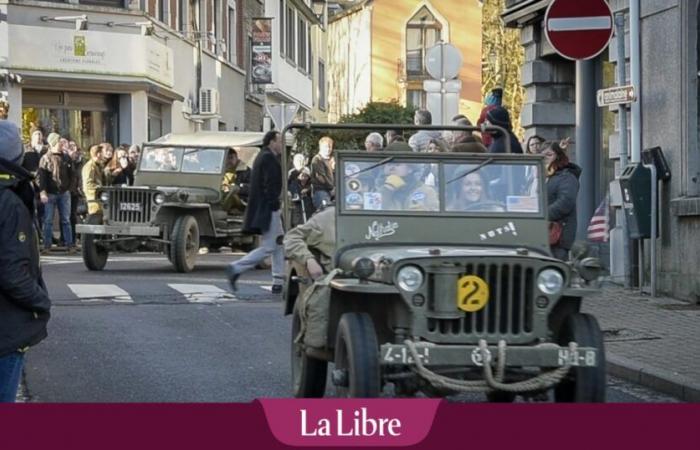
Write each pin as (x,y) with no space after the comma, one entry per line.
(234,187)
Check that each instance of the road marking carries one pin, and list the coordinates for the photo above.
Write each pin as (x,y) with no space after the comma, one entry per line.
(203,293)
(268,288)
(100,292)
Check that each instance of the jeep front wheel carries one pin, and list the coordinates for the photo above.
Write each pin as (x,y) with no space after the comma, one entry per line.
(356,373)
(94,255)
(185,244)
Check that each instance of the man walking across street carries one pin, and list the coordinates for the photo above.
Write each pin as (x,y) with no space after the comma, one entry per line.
(24,302)
(262,215)
(55,173)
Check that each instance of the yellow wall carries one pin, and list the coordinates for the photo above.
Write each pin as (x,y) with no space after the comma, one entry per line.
(389,18)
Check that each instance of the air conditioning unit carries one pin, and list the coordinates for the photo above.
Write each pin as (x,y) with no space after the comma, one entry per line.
(208,101)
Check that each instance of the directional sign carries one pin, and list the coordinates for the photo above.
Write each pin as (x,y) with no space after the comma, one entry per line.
(579,29)
(618,95)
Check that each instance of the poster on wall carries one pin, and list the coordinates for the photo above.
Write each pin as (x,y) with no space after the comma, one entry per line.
(261,51)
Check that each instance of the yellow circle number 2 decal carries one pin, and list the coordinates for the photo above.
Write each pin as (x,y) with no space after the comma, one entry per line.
(472,293)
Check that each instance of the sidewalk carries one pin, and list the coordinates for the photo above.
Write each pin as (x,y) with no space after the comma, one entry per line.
(652,342)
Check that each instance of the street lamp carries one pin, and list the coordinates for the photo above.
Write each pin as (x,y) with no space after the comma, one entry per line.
(81,22)
(318,7)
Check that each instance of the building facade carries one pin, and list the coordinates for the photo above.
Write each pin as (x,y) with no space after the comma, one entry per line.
(126,71)
(668,99)
(398,34)
(298,57)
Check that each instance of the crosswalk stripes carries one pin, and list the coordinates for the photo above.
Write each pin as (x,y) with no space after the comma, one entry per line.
(203,293)
(100,292)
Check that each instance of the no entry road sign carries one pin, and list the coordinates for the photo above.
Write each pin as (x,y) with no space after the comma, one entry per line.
(578,29)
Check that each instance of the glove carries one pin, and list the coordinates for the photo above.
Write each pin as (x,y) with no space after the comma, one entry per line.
(394,182)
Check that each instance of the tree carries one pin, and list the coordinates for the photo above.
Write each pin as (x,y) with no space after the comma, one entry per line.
(373,112)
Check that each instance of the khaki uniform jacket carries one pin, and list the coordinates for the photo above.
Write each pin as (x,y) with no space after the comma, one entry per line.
(417,198)
(93,178)
(314,239)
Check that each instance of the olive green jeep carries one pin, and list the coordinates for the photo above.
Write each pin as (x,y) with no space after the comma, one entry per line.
(444,283)
(175,205)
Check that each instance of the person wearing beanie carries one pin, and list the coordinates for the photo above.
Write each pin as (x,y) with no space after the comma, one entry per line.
(24,300)
(499,116)
(493,99)
(4,110)
(55,178)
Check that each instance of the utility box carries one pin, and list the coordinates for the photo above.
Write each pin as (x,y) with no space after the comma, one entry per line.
(635,182)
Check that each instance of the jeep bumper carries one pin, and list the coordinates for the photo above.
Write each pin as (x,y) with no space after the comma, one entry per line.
(121,230)
(541,355)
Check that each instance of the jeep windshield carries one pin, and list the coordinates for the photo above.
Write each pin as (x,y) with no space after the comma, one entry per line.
(185,160)
(452,186)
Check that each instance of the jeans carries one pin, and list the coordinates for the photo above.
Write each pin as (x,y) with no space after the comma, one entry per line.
(268,246)
(318,198)
(10,373)
(62,201)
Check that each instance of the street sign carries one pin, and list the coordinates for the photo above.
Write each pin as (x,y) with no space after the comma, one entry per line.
(577,29)
(618,95)
(282,114)
(443,60)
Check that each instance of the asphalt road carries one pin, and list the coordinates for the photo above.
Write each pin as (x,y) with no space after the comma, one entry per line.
(139,332)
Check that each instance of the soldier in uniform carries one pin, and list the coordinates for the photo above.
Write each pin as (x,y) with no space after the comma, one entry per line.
(403,189)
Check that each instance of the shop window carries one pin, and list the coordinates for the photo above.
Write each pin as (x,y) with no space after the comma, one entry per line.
(422,32)
(155,120)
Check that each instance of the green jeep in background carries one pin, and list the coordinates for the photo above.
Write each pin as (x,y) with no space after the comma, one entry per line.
(449,289)
(175,205)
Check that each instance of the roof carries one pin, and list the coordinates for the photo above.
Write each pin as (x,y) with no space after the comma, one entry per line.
(212,139)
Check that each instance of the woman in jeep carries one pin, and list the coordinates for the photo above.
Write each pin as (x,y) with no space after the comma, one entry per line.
(472,195)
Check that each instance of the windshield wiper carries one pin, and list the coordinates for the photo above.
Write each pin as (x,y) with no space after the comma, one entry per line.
(479,167)
(373,166)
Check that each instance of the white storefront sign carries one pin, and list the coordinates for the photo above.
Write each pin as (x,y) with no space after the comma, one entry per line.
(91,52)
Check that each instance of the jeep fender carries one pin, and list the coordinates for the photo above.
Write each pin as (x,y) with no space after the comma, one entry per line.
(169,212)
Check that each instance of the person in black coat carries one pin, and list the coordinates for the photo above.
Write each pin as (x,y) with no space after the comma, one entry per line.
(500,117)
(24,301)
(262,215)
(562,191)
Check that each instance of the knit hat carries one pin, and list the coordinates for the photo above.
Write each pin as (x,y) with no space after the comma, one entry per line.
(53,139)
(495,97)
(10,142)
(499,116)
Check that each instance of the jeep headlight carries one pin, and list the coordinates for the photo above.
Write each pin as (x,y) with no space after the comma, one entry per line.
(159,199)
(410,278)
(550,281)
(104,197)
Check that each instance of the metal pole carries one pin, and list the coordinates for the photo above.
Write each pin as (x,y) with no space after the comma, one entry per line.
(654,224)
(636,79)
(585,143)
(622,117)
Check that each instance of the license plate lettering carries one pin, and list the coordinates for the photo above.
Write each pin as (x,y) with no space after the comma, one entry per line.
(576,358)
(130,206)
(403,356)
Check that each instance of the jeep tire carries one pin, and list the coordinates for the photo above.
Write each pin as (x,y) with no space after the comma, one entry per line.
(357,357)
(184,245)
(94,255)
(583,384)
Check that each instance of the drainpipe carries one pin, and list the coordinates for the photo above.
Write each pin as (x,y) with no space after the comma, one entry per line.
(636,78)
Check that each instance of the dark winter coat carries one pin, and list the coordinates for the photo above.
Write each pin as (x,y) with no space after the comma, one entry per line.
(55,173)
(498,145)
(562,190)
(265,192)
(24,301)
(322,176)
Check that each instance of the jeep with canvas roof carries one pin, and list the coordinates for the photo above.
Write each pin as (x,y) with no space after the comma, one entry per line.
(175,205)
(443,282)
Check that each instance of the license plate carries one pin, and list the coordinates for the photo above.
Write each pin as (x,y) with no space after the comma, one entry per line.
(401,355)
(130,207)
(472,293)
(578,358)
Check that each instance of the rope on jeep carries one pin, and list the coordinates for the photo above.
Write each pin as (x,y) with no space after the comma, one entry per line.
(491,382)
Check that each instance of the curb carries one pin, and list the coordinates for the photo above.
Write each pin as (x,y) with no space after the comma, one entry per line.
(661,380)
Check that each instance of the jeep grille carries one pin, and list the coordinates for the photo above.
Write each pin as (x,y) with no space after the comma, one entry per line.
(508,313)
(133,206)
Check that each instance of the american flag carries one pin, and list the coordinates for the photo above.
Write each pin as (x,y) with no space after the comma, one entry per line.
(598,228)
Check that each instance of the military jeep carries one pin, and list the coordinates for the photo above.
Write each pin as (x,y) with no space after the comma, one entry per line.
(456,295)
(175,205)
